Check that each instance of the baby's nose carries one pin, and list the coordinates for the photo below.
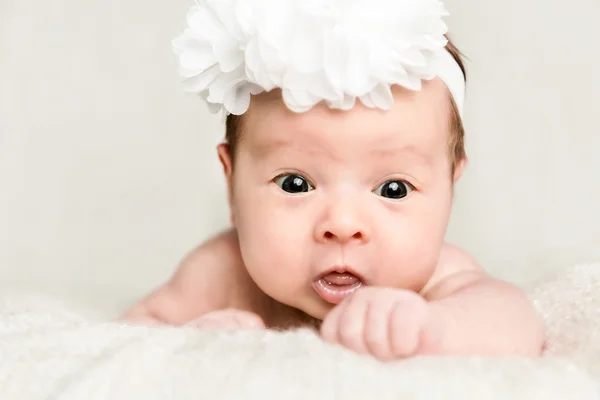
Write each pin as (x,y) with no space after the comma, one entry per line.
(342,223)
(343,236)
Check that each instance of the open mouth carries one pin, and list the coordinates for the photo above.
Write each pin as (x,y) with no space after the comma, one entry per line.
(335,286)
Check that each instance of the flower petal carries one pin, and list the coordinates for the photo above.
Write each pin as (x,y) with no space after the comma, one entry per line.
(366,100)
(224,83)
(223,11)
(382,97)
(191,64)
(237,100)
(228,53)
(299,101)
(204,23)
(187,42)
(334,58)
(336,51)
(345,103)
(201,81)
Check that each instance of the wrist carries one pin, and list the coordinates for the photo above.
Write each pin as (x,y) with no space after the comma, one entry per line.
(434,333)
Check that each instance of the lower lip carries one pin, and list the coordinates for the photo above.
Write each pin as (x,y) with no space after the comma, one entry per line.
(335,294)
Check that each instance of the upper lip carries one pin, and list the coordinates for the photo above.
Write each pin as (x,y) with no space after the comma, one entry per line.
(341,269)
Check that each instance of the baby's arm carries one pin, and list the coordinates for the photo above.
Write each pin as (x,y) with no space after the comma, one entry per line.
(461,311)
(472,313)
(199,286)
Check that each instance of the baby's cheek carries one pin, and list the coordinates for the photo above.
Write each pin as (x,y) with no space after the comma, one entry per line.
(273,255)
(409,261)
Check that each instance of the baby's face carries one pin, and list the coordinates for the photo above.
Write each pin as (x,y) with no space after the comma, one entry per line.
(327,201)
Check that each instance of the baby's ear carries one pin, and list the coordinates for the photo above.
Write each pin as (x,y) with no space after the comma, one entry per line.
(225,158)
(460,167)
(224,152)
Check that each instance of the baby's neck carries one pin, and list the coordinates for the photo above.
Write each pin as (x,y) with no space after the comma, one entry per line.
(283,317)
(248,296)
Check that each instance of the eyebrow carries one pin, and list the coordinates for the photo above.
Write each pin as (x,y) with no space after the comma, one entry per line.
(265,148)
(403,150)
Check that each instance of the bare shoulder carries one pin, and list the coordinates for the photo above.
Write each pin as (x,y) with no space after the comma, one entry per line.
(455,259)
(202,282)
(204,271)
(455,268)
(217,257)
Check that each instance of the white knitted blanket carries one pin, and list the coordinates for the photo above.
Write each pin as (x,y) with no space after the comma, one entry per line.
(51,351)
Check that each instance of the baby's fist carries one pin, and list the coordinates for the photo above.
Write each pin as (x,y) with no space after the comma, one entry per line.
(228,319)
(387,323)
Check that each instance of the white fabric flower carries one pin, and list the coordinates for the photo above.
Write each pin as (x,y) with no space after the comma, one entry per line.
(335,51)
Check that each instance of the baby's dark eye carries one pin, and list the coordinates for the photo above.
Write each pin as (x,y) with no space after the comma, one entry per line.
(394,189)
(294,184)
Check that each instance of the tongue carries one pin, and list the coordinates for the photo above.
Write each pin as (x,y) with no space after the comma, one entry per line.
(340,278)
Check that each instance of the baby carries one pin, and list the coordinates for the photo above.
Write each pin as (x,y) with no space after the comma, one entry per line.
(339,210)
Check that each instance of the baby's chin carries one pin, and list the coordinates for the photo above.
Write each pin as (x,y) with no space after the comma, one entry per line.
(317,309)
(312,306)
(305,309)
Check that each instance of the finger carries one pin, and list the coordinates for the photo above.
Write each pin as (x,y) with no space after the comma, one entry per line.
(351,331)
(208,319)
(331,323)
(215,322)
(378,327)
(198,322)
(247,320)
(404,331)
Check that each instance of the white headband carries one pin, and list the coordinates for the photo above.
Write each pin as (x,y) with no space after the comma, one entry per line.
(332,51)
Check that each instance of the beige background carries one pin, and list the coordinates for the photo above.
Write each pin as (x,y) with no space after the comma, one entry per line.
(108,174)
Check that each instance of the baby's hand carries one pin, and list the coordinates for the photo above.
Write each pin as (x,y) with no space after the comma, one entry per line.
(384,322)
(230,319)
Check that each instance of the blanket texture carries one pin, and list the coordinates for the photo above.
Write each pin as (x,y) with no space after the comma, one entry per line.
(50,350)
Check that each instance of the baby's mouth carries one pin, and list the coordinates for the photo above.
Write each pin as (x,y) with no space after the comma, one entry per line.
(334,287)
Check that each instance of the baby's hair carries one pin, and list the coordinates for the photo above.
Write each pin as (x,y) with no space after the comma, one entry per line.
(457,129)
(234,123)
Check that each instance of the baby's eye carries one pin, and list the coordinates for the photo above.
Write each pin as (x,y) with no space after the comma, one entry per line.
(292,183)
(394,189)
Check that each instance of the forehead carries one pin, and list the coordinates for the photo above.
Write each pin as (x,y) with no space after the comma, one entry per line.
(419,121)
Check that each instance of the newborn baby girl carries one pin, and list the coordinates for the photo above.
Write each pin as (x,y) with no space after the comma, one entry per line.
(340,205)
